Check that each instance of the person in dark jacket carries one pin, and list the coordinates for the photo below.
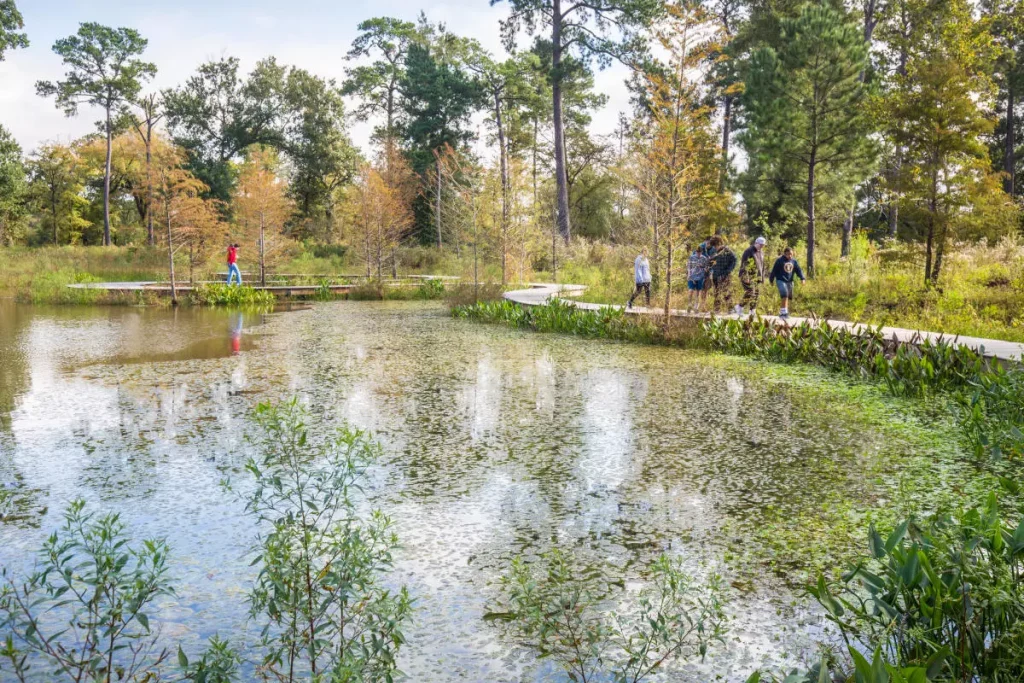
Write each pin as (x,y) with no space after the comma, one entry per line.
(751,276)
(782,275)
(723,263)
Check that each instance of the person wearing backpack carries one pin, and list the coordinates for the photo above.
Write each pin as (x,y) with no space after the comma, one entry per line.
(723,263)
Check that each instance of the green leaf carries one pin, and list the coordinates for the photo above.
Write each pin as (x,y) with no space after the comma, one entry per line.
(182,658)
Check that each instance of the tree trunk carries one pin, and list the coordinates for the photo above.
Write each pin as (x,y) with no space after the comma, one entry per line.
(940,251)
(56,225)
(170,259)
(1010,154)
(726,129)
(394,262)
(438,208)
(930,276)
(263,246)
(503,161)
(554,256)
(668,282)
(536,196)
(106,184)
(894,203)
(149,189)
(810,216)
(561,177)
(848,230)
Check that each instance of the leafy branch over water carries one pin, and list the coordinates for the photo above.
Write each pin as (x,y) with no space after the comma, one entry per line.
(569,613)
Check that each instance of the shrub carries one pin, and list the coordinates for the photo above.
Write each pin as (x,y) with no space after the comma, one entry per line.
(232,296)
(82,614)
(560,610)
(319,594)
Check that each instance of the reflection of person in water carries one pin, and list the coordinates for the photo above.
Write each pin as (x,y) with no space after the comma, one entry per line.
(236,334)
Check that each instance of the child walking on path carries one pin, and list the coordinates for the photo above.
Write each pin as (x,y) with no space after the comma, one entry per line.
(697,278)
(642,278)
(782,276)
(751,276)
(233,271)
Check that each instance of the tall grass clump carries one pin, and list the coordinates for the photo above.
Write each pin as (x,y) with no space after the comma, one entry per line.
(232,296)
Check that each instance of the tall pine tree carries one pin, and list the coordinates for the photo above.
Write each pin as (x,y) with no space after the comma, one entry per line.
(805,104)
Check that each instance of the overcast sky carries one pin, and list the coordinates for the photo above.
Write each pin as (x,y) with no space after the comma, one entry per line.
(312,34)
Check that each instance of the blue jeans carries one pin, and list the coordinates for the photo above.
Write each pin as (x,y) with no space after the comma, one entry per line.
(233,272)
(785,289)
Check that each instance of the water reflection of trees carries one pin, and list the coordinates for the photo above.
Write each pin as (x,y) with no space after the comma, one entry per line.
(14,370)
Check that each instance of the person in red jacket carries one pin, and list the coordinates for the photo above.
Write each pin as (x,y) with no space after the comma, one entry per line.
(233,271)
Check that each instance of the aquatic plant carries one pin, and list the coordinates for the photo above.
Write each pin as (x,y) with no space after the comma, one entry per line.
(83,613)
(987,398)
(319,594)
(562,611)
(232,296)
(565,317)
(945,594)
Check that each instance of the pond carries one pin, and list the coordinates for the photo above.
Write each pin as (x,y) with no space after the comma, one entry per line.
(497,443)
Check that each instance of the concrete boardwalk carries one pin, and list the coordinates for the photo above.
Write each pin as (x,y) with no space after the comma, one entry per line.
(164,288)
(539,294)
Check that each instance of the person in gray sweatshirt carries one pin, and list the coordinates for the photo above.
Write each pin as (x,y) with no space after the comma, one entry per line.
(642,278)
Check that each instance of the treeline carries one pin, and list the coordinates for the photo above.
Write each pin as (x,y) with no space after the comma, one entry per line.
(896,117)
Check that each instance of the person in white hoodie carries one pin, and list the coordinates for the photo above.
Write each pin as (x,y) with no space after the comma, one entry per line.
(642,278)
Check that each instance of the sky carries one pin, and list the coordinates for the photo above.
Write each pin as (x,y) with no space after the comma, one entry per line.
(312,34)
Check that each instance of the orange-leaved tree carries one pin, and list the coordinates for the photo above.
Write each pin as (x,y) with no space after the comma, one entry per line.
(681,156)
(189,220)
(262,206)
(380,214)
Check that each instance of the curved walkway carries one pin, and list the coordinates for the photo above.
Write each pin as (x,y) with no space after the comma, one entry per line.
(540,293)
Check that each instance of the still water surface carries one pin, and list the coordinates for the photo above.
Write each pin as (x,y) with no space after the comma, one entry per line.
(497,442)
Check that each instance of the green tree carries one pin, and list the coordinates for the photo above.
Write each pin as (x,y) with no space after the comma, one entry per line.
(805,104)
(104,72)
(507,89)
(10,22)
(379,84)
(315,140)
(939,119)
(601,29)
(56,187)
(217,114)
(1006,19)
(13,189)
(440,97)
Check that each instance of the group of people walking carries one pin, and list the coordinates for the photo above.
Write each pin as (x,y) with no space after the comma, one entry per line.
(711,266)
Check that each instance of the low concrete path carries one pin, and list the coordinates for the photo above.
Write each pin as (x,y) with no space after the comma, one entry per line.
(540,293)
(164,288)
